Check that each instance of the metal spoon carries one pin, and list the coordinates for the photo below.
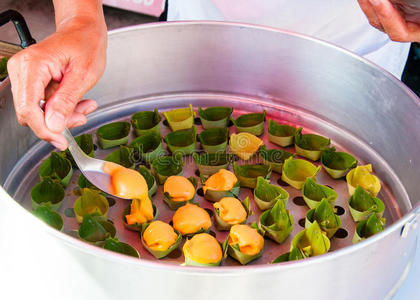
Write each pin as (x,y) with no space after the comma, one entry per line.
(91,168)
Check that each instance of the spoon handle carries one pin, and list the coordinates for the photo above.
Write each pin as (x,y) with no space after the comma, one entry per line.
(81,158)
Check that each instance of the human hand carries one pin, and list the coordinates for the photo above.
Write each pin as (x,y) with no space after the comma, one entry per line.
(61,68)
(385,17)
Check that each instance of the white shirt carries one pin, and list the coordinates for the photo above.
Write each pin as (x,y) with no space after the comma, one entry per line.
(340,22)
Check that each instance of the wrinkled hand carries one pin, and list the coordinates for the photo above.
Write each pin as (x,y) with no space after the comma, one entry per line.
(385,17)
(61,68)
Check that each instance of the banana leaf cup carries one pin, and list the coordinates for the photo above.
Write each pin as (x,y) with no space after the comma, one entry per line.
(90,202)
(82,182)
(49,216)
(337,164)
(296,171)
(276,223)
(210,163)
(165,166)
(136,226)
(311,241)
(368,228)
(281,134)
(215,196)
(362,205)
(191,262)
(183,142)
(57,167)
(222,225)
(274,158)
(310,145)
(113,244)
(234,250)
(247,174)
(47,193)
(293,254)
(149,146)
(244,144)
(123,156)
(146,122)
(361,175)
(252,123)
(150,180)
(95,230)
(173,205)
(85,142)
(266,195)
(214,140)
(324,215)
(180,118)
(215,117)
(160,253)
(314,193)
(113,134)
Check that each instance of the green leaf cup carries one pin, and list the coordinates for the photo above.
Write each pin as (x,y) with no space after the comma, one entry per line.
(113,134)
(337,164)
(136,226)
(324,215)
(146,122)
(310,145)
(150,180)
(214,140)
(47,193)
(210,163)
(234,249)
(314,193)
(276,223)
(165,166)
(252,123)
(296,171)
(183,142)
(215,117)
(158,253)
(123,156)
(266,195)
(56,167)
(95,230)
(368,228)
(247,174)
(149,146)
(223,225)
(311,241)
(173,205)
(180,118)
(274,158)
(113,244)
(46,214)
(362,205)
(281,134)
(90,202)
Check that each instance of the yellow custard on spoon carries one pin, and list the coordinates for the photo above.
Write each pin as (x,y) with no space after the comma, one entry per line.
(130,184)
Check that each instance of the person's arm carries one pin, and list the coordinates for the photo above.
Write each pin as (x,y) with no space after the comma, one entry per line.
(385,17)
(60,68)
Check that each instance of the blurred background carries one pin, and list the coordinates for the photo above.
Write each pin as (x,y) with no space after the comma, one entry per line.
(39,14)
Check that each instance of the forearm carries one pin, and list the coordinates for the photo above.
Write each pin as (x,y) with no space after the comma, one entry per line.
(83,12)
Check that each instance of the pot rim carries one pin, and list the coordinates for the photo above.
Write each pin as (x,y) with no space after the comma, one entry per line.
(230,270)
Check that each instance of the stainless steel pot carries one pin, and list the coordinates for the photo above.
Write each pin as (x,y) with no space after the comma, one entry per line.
(277,68)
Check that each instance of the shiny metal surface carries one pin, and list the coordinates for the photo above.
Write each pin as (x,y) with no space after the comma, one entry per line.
(255,66)
(92,168)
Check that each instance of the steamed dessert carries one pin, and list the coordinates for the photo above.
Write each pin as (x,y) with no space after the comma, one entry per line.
(190,218)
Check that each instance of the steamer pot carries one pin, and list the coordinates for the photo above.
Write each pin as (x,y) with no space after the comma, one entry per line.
(277,68)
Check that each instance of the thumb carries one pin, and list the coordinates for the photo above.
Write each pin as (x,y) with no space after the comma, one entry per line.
(62,103)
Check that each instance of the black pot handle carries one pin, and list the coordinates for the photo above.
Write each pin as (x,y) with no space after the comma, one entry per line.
(22,29)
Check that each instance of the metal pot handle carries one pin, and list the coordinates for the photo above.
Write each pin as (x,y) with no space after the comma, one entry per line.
(22,29)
